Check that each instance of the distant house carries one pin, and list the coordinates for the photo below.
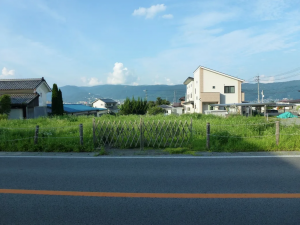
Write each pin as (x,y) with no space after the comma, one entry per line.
(78,110)
(182,100)
(177,108)
(209,87)
(107,103)
(167,108)
(28,97)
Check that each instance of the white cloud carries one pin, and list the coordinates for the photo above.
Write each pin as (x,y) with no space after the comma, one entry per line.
(135,84)
(167,16)
(91,81)
(266,80)
(121,75)
(50,12)
(6,73)
(150,12)
(169,82)
(270,9)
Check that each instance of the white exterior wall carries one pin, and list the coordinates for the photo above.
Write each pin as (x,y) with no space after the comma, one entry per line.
(42,90)
(190,92)
(211,79)
(197,93)
(190,96)
(99,104)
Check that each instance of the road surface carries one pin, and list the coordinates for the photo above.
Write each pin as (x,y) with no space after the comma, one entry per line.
(149,190)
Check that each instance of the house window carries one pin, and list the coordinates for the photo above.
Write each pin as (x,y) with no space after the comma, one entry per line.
(195,91)
(214,87)
(229,89)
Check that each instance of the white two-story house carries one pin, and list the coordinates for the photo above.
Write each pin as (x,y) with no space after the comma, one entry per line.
(107,103)
(211,87)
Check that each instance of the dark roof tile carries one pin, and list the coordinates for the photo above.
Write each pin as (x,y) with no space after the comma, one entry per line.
(21,84)
(17,99)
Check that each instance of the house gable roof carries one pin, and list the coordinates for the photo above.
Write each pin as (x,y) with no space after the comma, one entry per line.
(188,80)
(22,84)
(106,100)
(223,74)
(22,99)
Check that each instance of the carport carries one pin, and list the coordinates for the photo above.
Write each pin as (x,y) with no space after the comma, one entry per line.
(246,108)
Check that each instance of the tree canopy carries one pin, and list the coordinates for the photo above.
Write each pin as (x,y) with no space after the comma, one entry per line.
(132,106)
(57,101)
(5,104)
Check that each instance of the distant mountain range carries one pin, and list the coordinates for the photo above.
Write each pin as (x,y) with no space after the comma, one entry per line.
(74,94)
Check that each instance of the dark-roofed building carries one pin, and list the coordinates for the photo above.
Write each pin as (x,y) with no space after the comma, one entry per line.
(107,103)
(78,110)
(28,97)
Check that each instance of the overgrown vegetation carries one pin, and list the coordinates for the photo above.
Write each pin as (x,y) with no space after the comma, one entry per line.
(235,133)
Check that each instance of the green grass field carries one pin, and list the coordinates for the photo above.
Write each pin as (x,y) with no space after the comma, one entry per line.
(235,133)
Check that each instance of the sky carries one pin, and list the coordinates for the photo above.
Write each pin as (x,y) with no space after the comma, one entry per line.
(87,43)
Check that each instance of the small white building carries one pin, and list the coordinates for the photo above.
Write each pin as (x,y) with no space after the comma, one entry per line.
(177,109)
(211,87)
(107,103)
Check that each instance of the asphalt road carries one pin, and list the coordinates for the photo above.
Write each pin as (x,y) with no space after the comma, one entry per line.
(149,175)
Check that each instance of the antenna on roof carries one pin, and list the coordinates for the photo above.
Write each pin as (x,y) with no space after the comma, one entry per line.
(174,100)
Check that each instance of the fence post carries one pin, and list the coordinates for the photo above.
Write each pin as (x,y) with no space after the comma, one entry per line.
(277,132)
(94,132)
(141,134)
(191,129)
(81,133)
(207,135)
(36,135)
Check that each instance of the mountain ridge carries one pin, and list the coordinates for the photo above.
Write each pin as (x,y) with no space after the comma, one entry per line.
(74,94)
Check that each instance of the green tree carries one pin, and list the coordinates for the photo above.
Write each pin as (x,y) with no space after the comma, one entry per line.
(155,110)
(151,104)
(133,106)
(55,100)
(5,104)
(61,103)
(160,101)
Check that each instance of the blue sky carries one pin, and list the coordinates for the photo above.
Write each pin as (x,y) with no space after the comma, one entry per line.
(86,43)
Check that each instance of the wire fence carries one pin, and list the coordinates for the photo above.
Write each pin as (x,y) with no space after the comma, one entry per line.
(155,134)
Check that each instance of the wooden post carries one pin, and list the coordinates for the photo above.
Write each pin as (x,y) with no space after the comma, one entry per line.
(277,132)
(191,129)
(207,135)
(141,134)
(36,135)
(94,132)
(81,133)
(265,110)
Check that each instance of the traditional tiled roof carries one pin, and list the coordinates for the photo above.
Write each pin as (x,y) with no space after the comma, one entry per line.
(21,84)
(18,99)
(182,98)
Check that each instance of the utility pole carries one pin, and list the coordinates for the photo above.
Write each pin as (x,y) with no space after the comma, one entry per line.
(146,94)
(257,79)
(174,100)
